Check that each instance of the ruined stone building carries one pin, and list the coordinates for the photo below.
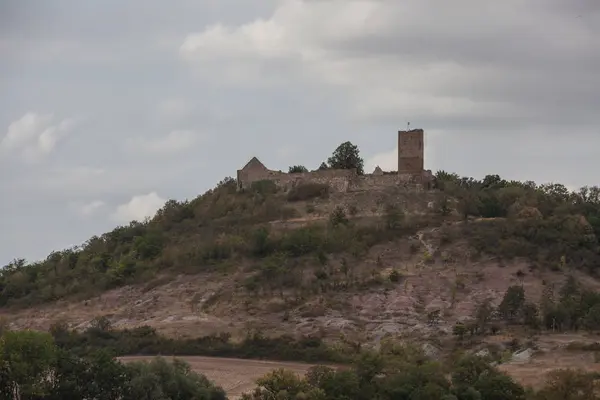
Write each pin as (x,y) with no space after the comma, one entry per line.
(411,161)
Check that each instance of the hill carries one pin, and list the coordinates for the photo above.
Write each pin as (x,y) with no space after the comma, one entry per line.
(460,263)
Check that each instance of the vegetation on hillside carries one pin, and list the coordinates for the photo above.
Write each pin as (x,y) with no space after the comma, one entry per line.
(145,340)
(225,228)
(547,224)
(33,366)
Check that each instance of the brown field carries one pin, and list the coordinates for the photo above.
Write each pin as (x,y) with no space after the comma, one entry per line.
(236,376)
(534,373)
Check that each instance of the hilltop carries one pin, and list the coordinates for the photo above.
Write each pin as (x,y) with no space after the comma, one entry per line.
(460,258)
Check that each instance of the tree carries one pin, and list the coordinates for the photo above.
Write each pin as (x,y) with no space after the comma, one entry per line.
(26,360)
(160,379)
(512,304)
(284,385)
(98,376)
(483,315)
(497,386)
(296,169)
(346,156)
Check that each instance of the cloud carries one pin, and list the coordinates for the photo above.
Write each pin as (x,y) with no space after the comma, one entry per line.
(34,135)
(510,89)
(415,59)
(174,108)
(88,209)
(138,208)
(172,143)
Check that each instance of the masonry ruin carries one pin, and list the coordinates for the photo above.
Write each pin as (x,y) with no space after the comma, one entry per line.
(410,173)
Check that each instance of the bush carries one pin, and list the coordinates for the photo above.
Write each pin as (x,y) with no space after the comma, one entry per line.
(395,276)
(146,341)
(297,169)
(308,191)
(338,217)
(264,187)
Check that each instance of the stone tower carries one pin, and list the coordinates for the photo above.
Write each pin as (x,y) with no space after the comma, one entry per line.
(411,152)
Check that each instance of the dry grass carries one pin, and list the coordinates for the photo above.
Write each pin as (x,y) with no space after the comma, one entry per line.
(535,372)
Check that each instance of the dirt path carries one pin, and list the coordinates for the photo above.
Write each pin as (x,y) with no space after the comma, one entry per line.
(236,376)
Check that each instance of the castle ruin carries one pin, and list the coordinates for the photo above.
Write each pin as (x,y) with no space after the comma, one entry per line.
(410,173)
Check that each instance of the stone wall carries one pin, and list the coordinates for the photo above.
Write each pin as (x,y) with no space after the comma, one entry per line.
(340,180)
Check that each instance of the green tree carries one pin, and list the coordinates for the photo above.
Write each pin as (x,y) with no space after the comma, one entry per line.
(483,316)
(337,385)
(282,384)
(98,376)
(512,304)
(497,386)
(26,360)
(162,380)
(347,156)
(295,169)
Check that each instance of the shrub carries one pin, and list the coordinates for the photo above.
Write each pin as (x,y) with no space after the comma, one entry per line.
(395,276)
(297,169)
(338,217)
(264,187)
(307,191)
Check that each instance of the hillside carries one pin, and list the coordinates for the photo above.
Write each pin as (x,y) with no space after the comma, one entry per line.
(317,259)
(471,263)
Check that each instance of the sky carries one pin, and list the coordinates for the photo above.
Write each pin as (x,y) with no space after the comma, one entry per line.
(109,108)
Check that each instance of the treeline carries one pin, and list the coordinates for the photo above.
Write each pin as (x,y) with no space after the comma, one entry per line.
(145,340)
(570,308)
(547,224)
(33,366)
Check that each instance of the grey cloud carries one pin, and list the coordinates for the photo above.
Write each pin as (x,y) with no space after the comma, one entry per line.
(116,62)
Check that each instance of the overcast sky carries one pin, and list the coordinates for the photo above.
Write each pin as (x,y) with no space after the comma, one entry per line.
(108,108)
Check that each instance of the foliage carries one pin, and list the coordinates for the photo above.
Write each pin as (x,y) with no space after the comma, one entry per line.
(394,216)
(338,217)
(395,373)
(346,156)
(33,367)
(146,341)
(308,191)
(297,169)
(513,303)
(26,359)
(202,235)
(159,379)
